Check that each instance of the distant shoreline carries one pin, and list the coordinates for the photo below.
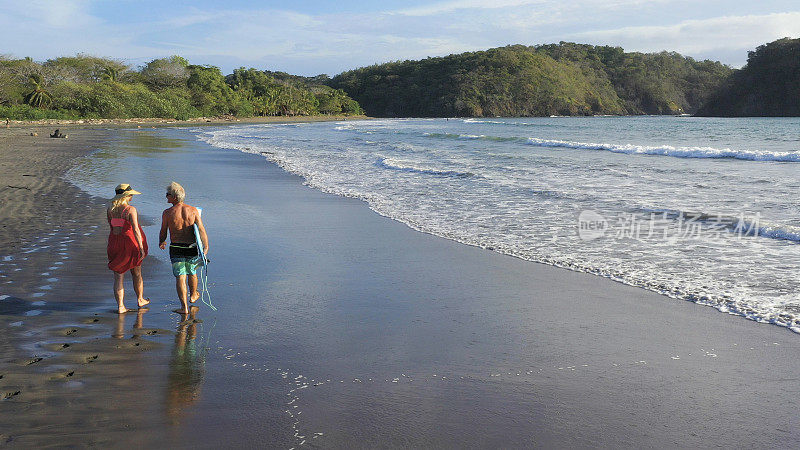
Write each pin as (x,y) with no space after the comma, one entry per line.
(161,122)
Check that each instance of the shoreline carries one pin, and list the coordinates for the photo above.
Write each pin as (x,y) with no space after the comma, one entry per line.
(160,122)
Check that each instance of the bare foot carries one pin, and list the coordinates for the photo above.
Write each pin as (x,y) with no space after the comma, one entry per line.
(180,311)
(193,298)
(122,310)
(144,302)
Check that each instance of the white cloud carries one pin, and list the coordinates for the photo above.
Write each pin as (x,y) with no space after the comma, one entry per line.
(332,41)
(61,14)
(700,36)
(450,6)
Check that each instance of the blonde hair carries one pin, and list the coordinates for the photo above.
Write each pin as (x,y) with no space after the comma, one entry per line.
(176,190)
(116,203)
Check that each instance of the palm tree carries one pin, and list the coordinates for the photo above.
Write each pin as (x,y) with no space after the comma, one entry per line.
(38,97)
(110,74)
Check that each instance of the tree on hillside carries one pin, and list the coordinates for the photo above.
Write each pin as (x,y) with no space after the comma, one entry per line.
(768,85)
(164,73)
(210,94)
(250,82)
(81,68)
(38,97)
(14,79)
(110,74)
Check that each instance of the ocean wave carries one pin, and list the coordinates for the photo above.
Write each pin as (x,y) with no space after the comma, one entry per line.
(667,150)
(511,123)
(411,166)
(482,137)
(633,149)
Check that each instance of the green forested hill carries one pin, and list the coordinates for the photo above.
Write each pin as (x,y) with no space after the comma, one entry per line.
(84,86)
(769,85)
(553,79)
(557,79)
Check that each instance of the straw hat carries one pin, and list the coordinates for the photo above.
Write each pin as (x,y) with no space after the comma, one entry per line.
(124,190)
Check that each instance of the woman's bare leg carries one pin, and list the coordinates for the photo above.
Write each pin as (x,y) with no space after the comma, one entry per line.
(119,333)
(119,292)
(138,286)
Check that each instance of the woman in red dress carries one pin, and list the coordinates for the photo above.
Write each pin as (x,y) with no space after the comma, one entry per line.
(127,245)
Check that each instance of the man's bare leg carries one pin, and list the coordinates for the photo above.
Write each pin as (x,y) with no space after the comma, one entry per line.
(193,288)
(138,286)
(119,292)
(180,286)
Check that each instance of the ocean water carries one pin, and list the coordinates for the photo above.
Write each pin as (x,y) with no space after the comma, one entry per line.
(699,209)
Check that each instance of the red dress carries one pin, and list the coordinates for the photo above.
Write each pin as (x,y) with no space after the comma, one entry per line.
(123,251)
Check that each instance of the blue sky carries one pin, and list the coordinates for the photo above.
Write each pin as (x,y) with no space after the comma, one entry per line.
(309,37)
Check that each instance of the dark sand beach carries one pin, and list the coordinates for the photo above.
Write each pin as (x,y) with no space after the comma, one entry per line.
(339,328)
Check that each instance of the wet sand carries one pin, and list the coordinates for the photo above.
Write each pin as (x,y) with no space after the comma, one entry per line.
(340,328)
(70,371)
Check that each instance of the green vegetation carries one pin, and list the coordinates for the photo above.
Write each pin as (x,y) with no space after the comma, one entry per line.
(553,79)
(90,87)
(556,79)
(769,85)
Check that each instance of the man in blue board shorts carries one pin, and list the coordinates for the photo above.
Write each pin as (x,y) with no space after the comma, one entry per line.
(178,221)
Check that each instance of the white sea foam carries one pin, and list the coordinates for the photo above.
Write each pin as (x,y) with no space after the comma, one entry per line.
(412,166)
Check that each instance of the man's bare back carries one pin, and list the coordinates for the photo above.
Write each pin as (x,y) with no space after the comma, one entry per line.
(179,219)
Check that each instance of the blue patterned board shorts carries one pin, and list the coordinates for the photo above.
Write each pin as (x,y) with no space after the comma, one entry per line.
(184,259)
